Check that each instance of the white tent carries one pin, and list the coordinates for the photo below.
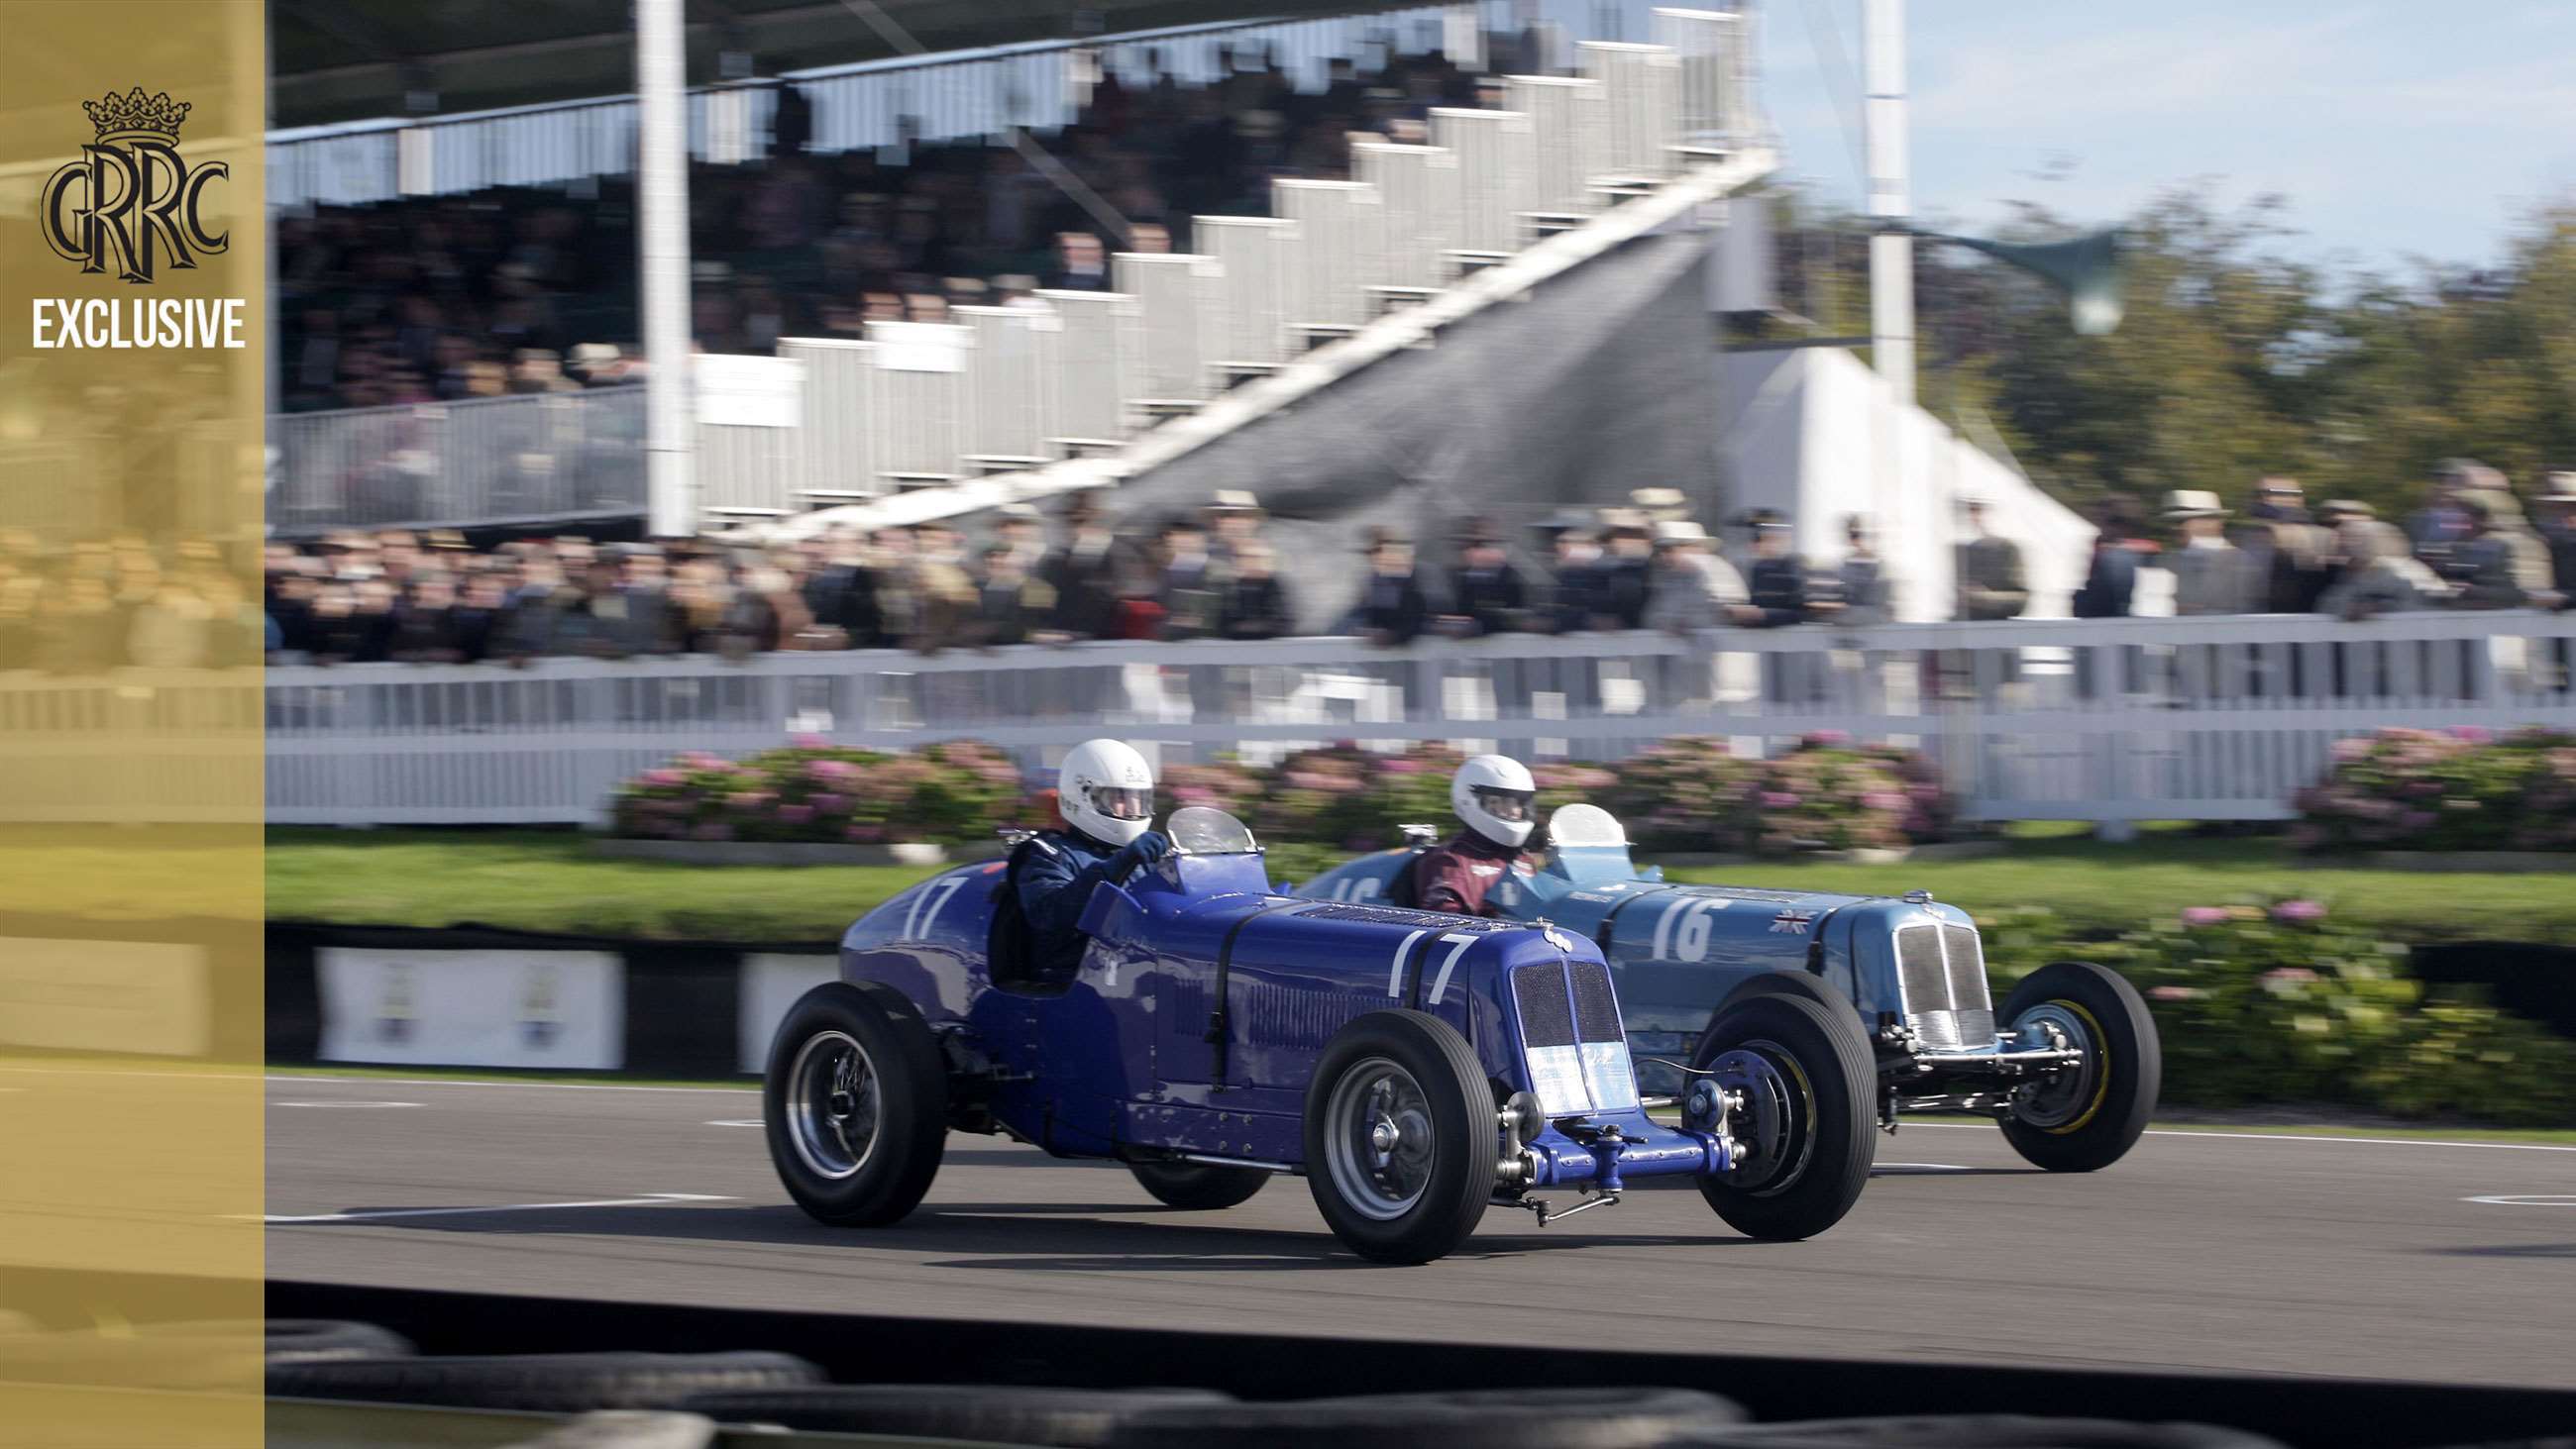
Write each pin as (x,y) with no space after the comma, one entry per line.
(1814,434)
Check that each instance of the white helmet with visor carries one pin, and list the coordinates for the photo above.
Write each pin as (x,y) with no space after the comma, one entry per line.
(1497,798)
(1106,791)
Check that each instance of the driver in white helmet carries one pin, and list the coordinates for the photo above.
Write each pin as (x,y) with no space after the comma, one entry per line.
(1105,792)
(1496,798)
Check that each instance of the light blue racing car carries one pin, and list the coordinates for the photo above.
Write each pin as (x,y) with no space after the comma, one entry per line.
(2069,1067)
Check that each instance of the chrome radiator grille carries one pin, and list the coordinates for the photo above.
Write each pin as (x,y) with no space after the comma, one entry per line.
(1942,971)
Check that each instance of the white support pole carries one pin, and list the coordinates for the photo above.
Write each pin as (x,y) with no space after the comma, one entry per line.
(662,233)
(1891,252)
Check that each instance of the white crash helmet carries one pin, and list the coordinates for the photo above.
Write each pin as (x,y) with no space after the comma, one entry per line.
(1106,791)
(1497,798)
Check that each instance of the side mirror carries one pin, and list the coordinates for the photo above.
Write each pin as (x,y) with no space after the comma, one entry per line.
(1106,914)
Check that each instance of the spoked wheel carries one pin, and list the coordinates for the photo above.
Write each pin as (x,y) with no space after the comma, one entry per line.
(1401,1137)
(1202,1186)
(856,1104)
(1803,1072)
(2088,1117)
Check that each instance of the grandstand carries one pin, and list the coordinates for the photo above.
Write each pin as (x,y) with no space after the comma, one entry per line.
(909,295)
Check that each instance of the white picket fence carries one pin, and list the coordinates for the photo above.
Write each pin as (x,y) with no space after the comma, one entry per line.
(2100,720)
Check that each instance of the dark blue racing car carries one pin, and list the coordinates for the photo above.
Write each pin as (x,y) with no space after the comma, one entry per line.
(1414,1068)
(2069,1067)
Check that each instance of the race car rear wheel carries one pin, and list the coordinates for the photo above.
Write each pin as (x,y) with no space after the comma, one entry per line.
(855,1103)
(1804,1072)
(1401,1141)
(2087,1118)
(1200,1186)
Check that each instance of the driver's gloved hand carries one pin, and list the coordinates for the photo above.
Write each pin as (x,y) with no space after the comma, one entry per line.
(1145,849)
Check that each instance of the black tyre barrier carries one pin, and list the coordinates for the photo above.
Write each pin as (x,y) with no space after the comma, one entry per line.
(2309,1411)
(1503,1418)
(192,1354)
(1972,1431)
(998,1414)
(316,1340)
(543,1382)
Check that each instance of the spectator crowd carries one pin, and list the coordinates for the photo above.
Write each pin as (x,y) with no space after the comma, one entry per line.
(1214,574)
(2472,545)
(518,290)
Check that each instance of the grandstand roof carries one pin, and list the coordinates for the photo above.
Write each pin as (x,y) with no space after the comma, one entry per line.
(343,60)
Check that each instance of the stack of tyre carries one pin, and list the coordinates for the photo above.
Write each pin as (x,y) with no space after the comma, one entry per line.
(624,1400)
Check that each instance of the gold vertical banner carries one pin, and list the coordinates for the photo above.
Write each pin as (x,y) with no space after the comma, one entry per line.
(133,358)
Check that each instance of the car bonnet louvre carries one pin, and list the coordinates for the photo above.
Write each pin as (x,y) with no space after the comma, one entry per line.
(1400,916)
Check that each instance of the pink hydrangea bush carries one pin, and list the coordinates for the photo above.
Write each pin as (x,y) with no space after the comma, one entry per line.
(2460,789)
(1672,795)
(812,791)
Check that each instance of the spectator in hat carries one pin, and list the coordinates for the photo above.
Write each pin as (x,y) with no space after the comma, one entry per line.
(2209,573)
(1191,582)
(2286,556)
(1627,568)
(2555,515)
(1085,573)
(1867,592)
(2120,548)
(1486,594)
(1661,505)
(2501,564)
(1992,584)
(1392,608)
(1693,588)
(1253,602)
(1777,581)
(1578,601)
(2434,529)
(1011,602)
(1020,528)
(2380,573)
(1234,519)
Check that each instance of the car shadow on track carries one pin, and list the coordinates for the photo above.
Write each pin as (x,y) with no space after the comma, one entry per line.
(1059,1237)
(2512,1250)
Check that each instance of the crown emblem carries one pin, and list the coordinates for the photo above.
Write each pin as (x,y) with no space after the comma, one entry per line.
(135,114)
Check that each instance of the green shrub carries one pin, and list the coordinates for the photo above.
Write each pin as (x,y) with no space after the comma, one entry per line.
(2265,1005)
(2460,789)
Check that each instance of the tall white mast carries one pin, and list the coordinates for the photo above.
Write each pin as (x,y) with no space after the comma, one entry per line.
(662,263)
(1891,252)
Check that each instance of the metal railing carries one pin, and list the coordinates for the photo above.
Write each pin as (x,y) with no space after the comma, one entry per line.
(2101,720)
(483,460)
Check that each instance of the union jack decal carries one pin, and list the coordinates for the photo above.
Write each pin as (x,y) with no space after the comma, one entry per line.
(1792,923)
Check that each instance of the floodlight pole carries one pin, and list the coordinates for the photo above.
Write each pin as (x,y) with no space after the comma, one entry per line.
(1891,202)
(662,241)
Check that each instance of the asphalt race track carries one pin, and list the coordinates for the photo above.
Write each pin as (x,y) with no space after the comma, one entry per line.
(2254,1253)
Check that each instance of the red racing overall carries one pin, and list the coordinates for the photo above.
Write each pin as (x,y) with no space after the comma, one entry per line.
(1454,875)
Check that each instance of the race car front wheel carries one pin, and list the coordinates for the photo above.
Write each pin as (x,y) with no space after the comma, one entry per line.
(1200,1186)
(1807,1123)
(1401,1141)
(2087,1117)
(856,1104)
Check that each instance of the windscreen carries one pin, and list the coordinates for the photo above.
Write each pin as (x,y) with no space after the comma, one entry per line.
(1582,825)
(1205,830)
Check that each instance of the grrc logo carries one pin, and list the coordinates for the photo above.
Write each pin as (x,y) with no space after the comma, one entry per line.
(132,205)
(130,191)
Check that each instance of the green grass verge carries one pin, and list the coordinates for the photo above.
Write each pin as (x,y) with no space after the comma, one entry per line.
(549,881)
